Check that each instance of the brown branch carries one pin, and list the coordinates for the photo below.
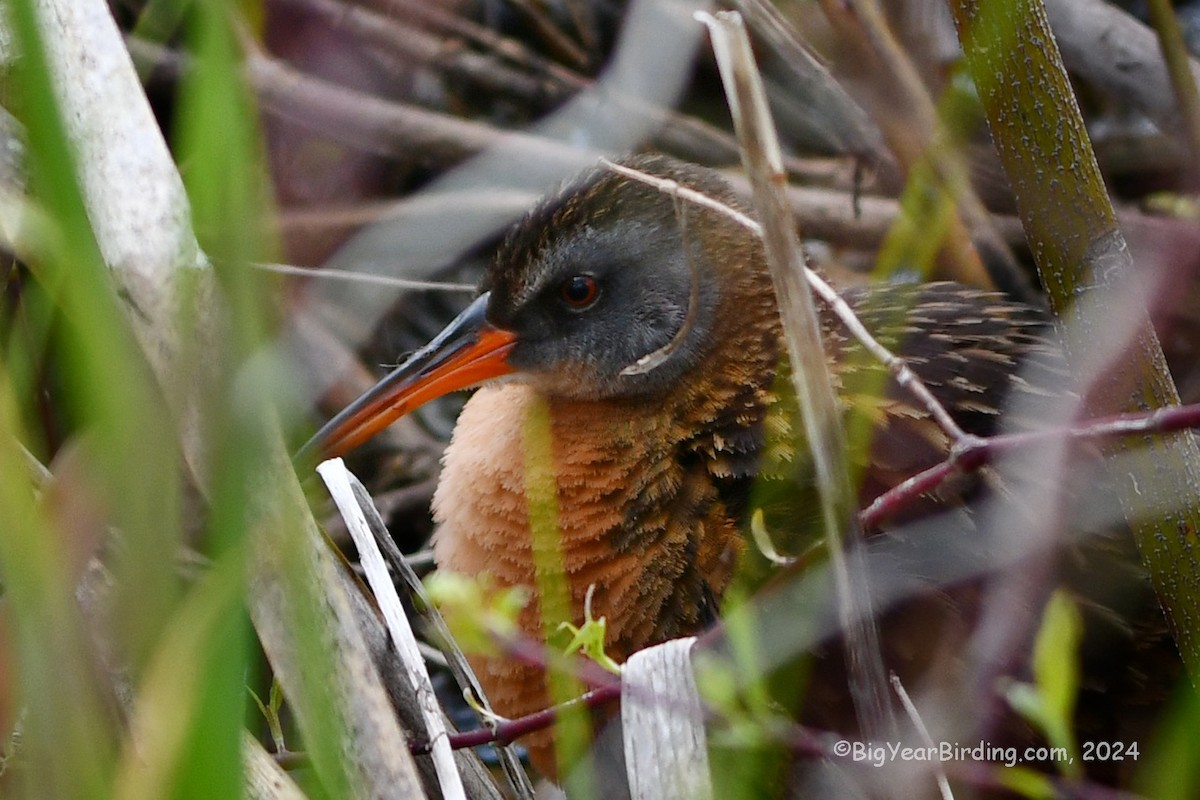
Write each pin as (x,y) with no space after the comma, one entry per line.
(388,128)
(393,36)
(830,112)
(512,50)
(551,34)
(416,596)
(681,133)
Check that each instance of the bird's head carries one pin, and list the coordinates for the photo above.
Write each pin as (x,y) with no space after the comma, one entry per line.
(609,289)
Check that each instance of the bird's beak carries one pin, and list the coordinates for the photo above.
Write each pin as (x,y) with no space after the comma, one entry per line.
(469,350)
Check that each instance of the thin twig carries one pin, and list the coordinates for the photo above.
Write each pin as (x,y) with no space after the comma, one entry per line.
(900,370)
(834,115)
(455,659)
(38,472)
(432,655)
(393,36)
(910,708)
(366,277)
(513,50)
(370,123)
(917,137)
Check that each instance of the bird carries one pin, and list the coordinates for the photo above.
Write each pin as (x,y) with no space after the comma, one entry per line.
(648,330)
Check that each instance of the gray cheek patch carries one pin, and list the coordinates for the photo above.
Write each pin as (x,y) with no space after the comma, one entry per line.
(656,358)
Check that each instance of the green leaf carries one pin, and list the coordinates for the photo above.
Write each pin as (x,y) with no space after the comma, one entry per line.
(589,637)
(1049,703)
(1056,657)
(1171,770)
(1026,782)
(478,612)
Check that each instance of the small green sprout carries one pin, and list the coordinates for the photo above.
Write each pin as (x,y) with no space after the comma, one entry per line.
(588,638)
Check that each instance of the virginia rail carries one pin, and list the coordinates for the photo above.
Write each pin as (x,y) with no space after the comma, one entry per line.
(655,346)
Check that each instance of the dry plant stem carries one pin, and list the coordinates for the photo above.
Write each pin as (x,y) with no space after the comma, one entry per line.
(512,50)
(1175,55)
(265,778)
(947,164)
(583,17)
(809,367)
(826,214)
(823,213)
(374,125)
(479,782)
(339,483)
(387,127)
(1080,254)
(131,187)
(364,277)
(455,659)
(39,475)
(678,132)
(432,655)
(663,725)
(394,37)
(550,33)
(327,613)
(399,130)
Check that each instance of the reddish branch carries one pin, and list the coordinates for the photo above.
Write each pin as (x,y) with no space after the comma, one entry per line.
(797,739)
(509,730)
(971,453)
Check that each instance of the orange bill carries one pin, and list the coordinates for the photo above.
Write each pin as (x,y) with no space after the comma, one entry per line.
(468,351)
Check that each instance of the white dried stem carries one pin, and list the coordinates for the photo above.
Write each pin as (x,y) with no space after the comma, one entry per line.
(338,480)
(450,655)
(666,747)
(265,779)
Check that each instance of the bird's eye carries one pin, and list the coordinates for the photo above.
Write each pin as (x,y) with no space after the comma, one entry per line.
(579,291)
